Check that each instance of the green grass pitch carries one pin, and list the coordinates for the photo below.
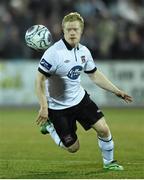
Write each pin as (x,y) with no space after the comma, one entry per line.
(26,154)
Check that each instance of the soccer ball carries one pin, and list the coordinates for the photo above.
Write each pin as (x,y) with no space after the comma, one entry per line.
(38,37)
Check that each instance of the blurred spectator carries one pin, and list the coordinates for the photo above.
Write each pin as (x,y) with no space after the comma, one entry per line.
(13,46)
(113,28)
(106,32)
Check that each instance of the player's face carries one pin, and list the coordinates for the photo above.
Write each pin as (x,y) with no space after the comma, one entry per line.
(72,32)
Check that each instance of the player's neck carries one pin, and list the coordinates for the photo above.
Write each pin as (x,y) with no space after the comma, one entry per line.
(69,46)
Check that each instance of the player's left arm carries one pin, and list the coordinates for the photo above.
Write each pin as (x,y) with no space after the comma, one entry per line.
(102,81)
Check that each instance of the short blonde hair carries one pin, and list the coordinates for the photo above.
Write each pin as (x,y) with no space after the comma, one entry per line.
(73,16)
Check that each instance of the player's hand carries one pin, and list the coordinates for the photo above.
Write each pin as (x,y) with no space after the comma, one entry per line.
(124,96)
(42,116)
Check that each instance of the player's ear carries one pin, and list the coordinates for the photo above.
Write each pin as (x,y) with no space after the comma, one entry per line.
(82,31)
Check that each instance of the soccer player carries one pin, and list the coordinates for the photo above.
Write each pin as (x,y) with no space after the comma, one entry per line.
(65,101)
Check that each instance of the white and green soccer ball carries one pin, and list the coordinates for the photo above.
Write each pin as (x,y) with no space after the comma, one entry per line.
(38,37)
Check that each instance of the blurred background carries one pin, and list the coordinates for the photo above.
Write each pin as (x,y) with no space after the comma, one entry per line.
(114,33)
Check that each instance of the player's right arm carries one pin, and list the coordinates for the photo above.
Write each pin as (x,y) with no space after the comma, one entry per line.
(47,67)
(40,92)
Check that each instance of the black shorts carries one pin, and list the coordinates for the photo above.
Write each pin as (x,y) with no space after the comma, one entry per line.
(86,113)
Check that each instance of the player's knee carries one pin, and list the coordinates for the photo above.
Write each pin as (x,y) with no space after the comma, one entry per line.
(74,147)
(104,132)
(102,128)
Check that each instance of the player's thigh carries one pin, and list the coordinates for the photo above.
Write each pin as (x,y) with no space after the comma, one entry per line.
(101,127)
(65,126)
(88,113)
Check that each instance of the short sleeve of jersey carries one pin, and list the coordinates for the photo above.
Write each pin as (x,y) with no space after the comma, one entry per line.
(48,63)
(90,66)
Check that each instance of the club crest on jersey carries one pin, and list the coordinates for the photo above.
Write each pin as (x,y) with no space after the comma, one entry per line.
(83,59)
(45,64)
(74,72)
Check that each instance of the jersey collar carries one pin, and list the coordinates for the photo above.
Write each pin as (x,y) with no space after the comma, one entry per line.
(68,45)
